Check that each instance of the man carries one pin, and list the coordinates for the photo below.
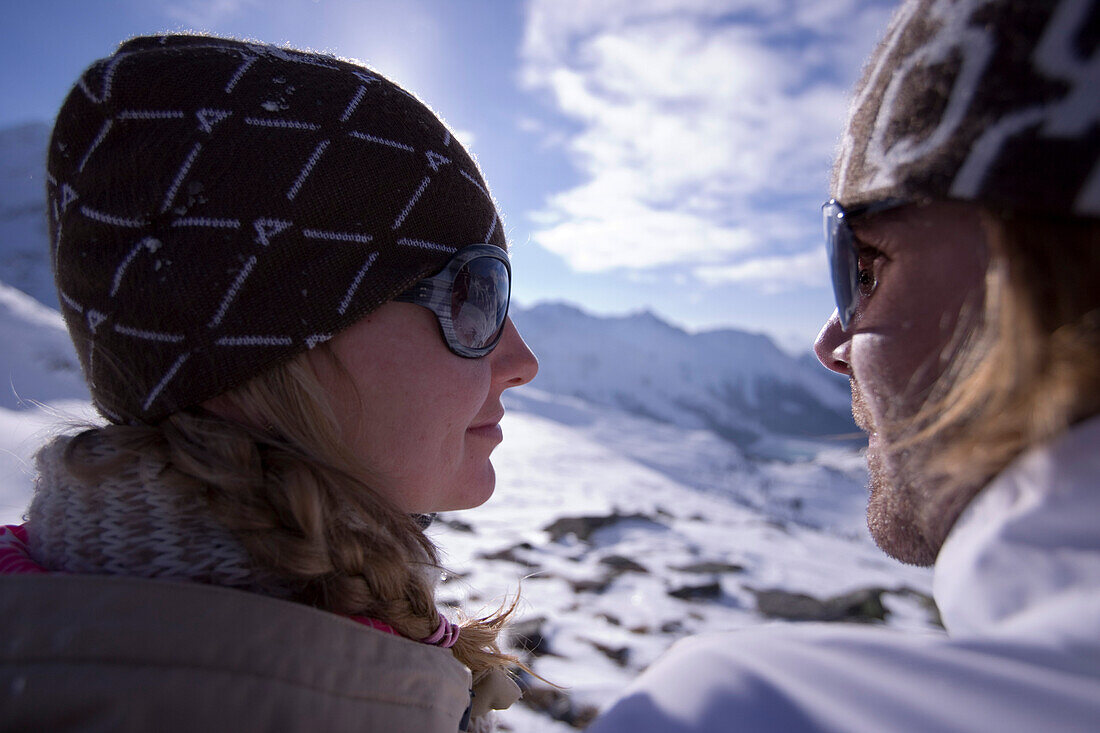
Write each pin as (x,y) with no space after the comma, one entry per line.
(964,241)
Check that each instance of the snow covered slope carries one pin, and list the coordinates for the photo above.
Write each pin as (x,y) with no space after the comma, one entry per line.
(37,362)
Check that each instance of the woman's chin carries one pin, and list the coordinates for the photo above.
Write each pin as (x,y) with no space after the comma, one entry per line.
(472,493)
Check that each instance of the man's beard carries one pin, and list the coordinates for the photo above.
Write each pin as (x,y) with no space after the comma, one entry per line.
(897,503)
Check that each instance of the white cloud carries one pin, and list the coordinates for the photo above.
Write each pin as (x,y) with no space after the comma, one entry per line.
(772,274)
(703,124)
(607,223)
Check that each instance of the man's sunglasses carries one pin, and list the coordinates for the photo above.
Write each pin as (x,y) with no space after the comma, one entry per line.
(840,245)
(469,297)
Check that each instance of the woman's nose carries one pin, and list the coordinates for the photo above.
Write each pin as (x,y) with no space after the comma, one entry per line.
(514,363)
(832,346)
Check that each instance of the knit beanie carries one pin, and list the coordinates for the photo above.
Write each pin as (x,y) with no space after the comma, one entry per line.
(217,207)
(991,101)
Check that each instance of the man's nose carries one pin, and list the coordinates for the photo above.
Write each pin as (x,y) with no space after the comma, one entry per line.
(832,346)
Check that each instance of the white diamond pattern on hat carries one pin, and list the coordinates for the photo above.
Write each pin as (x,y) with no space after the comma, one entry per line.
(149,114)
(206,221)
(117,221)
(337,236)
(412,202)
(364,77)
(95,144)
(149,243)
(318,338)
(138,333)
(355,100)
(288,124)
(435,160)
(492,228)
(346,301)
(254,341)
(306,169)
(426,245)
(245,66)
(159,387)
(210,117)
(170,195)
(58,225)
(472,180)
(68,195)
(108,71)
(67,300)
(381,141)
(95,319)
(267,228)
(230,294)
(493,208)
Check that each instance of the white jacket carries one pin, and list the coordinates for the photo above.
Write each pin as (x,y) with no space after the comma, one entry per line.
(1018,586)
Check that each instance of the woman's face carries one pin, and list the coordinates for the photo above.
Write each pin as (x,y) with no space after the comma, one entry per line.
(421,420)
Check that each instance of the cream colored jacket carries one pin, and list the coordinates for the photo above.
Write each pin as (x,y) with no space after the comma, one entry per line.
(97,653)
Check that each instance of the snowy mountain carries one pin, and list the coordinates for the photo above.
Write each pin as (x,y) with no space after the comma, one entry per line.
(736,384)
(24,262)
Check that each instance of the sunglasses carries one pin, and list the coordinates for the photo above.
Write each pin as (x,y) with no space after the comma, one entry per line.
(469,298)
(840,245)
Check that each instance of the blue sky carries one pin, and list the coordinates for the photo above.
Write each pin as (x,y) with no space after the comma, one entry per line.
(668,155)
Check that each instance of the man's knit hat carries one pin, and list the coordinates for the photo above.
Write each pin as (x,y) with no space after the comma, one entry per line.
(992,101)
(218,206)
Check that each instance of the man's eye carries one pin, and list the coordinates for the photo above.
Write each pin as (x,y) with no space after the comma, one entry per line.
(866,277)
(867,282)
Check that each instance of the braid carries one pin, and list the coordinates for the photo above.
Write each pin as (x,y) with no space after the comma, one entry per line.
(289,494)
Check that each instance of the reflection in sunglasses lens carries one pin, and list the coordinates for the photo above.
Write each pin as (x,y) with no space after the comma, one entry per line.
(479,301)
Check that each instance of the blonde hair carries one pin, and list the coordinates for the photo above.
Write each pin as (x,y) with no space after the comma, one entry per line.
(288,491)
(1023,369)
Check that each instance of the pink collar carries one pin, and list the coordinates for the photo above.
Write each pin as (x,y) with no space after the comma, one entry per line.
(15,556)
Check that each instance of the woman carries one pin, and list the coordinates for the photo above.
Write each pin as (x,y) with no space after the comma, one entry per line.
(288,288)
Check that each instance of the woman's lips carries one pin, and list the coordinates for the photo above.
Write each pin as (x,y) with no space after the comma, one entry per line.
(490,432)
(489,428)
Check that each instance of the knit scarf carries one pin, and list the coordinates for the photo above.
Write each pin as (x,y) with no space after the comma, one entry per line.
(132,524)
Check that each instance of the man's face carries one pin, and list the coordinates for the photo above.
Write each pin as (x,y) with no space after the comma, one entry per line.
(919,266)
